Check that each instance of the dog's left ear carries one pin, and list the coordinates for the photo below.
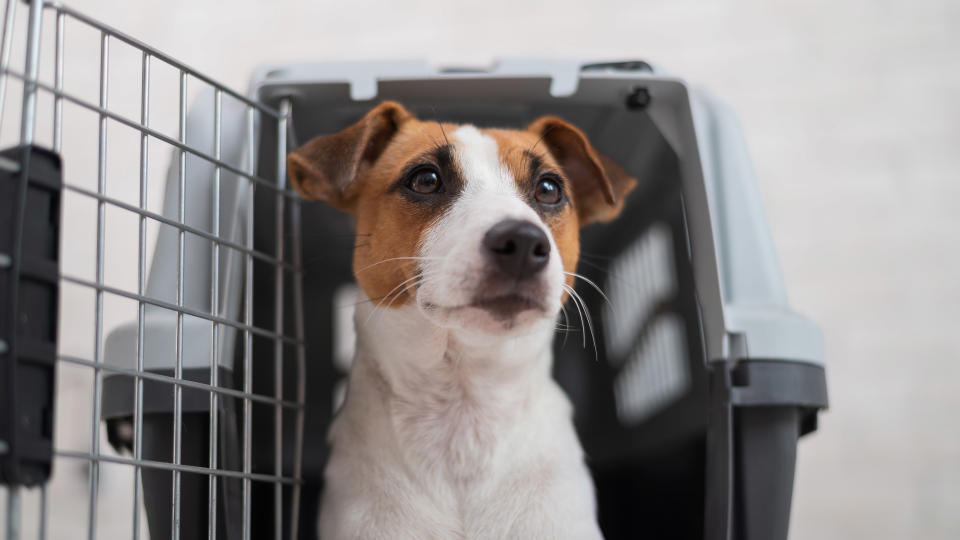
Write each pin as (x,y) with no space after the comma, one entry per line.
(326,167)
(599,185)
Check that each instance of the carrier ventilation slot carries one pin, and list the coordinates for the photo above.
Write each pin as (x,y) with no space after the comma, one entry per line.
(646,342)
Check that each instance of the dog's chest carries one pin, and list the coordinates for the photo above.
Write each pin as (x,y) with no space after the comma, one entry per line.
(452,421)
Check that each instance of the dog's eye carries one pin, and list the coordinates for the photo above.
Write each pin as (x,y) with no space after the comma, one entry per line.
(548,191)
(424,181)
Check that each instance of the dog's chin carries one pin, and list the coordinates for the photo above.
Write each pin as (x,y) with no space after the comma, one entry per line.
(501,315)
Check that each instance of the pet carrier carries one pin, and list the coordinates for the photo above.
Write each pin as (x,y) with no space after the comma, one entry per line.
(692,380)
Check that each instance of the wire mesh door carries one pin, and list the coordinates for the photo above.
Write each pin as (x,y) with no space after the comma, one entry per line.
(178,411)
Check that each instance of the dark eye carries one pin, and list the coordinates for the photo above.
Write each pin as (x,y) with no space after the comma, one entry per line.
(424,181)
(548,191)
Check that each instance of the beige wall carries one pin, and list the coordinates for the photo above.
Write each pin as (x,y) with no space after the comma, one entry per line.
(852,114)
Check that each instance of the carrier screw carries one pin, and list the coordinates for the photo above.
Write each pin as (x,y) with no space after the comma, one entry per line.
(638,98)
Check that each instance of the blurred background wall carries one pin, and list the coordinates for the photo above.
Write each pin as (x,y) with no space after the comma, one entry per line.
(852,114)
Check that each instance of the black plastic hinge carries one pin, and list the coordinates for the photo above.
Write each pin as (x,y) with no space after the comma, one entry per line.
(30,191)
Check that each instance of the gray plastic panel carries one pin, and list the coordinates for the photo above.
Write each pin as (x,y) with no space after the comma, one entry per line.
(160,324)
(753,293)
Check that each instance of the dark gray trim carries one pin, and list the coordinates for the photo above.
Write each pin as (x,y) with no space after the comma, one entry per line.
(778,382)
(765,439)
(718,506)
(758,411)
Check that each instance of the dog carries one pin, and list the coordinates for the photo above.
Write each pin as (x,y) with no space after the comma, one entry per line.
(452,426)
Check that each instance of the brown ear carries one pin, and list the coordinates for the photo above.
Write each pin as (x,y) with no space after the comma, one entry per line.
(324,168)
(599,185)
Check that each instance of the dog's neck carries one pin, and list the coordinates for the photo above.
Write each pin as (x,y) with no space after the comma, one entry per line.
(449,394)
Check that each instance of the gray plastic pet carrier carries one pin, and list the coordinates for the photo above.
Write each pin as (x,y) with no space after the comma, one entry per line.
(215,388)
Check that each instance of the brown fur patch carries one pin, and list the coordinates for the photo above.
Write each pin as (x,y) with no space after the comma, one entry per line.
(600,184)
(392,224)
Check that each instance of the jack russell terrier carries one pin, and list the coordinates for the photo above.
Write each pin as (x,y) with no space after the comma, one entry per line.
(452,425)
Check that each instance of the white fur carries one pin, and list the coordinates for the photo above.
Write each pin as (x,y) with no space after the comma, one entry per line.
(452,247)
(452,426)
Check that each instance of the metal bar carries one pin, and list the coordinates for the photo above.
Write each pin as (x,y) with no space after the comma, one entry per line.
(141,290)
(278,320)
(13,513)
(176,224)
(42,526)
(178,368)
(8,18)
(58,85)
(173,307)
(163,465)
(248,321)
(159,55)
(98,321)
(301,366)
(31,70)
(12,528)
(213,445)
(153,133)
(187,383)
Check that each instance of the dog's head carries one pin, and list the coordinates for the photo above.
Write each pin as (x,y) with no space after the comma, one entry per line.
(479,228)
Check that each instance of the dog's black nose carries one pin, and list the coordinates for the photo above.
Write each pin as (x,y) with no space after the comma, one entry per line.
(519,248)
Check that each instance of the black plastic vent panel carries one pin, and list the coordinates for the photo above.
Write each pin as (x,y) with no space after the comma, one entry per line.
(30,183)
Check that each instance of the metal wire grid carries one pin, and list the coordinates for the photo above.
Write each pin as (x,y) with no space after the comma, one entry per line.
(258,116)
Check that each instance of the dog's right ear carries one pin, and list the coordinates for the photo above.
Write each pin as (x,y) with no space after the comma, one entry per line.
(324,169)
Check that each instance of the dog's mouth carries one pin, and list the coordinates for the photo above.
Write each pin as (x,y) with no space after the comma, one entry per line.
(503,307)
(507,306)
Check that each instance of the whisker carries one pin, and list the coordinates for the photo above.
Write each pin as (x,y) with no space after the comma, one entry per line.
(444,132)
(396,296)
(309,236)
(593,335)
(566,319)
(355,304)
(592,284)
(405,289)
(596,256)
(595,266)
(609,273)
(576,304)
(375,299)
(419,278)
(329,235)
(439,123)
(400,259)
(379,304)
(542,136)
(589,322)
(565,329)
